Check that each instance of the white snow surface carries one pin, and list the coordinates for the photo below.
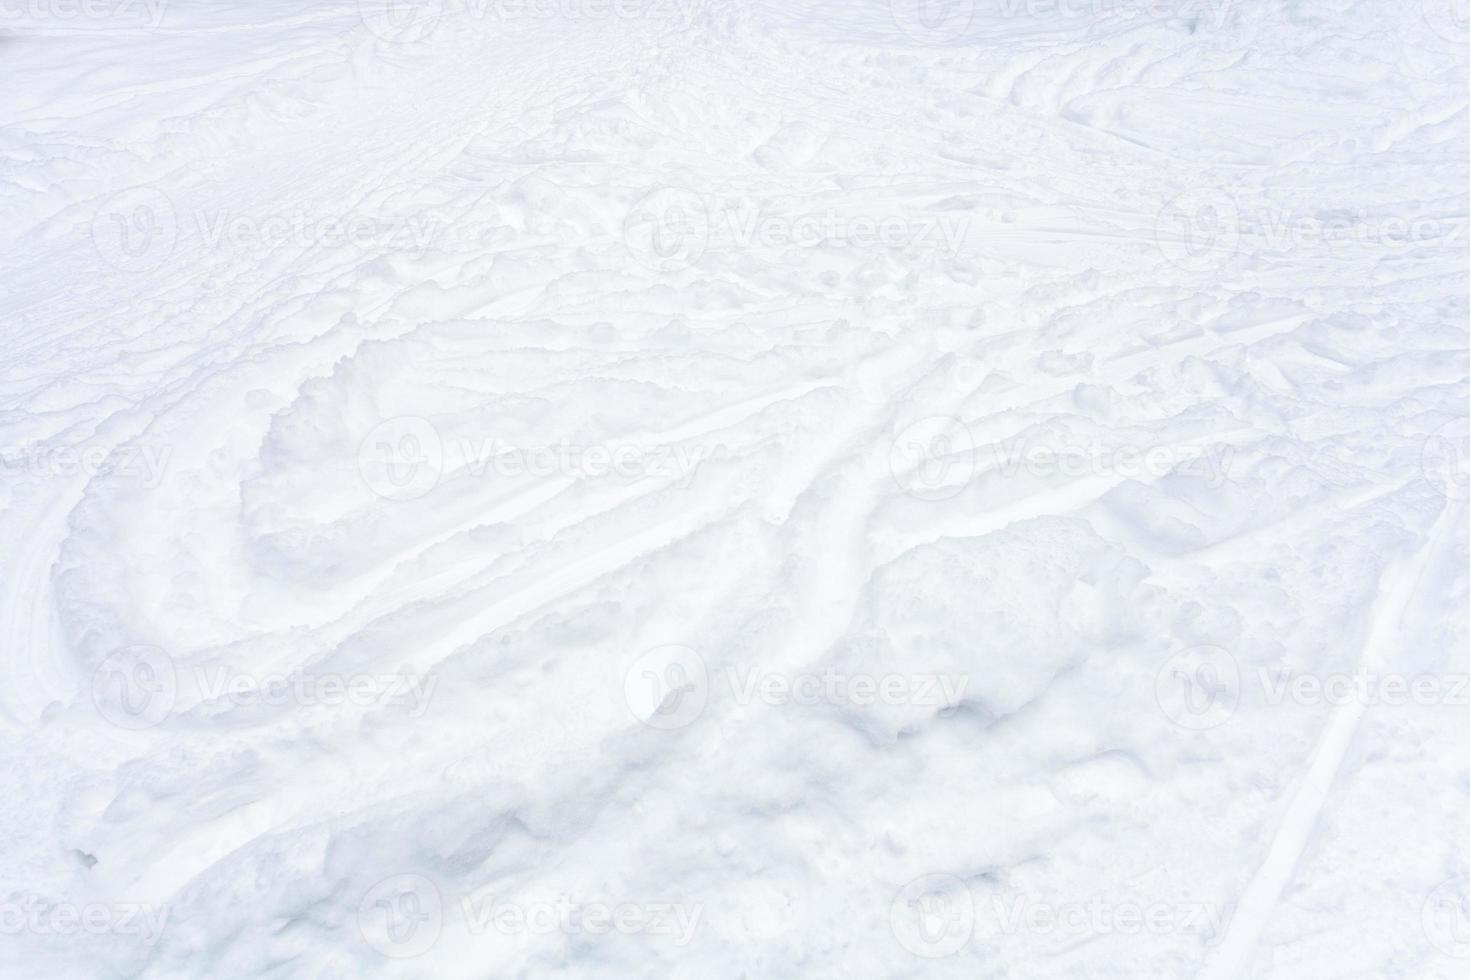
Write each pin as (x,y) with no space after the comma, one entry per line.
(735,489)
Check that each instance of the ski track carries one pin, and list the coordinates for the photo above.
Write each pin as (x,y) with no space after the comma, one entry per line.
(789,405)
(1385,626)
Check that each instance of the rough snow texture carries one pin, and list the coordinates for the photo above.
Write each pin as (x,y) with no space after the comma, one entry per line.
(759,489)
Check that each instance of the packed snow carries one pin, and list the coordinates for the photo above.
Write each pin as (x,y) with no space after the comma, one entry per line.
(735,489)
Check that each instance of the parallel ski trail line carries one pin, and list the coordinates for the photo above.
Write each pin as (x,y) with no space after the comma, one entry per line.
(1293,836)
